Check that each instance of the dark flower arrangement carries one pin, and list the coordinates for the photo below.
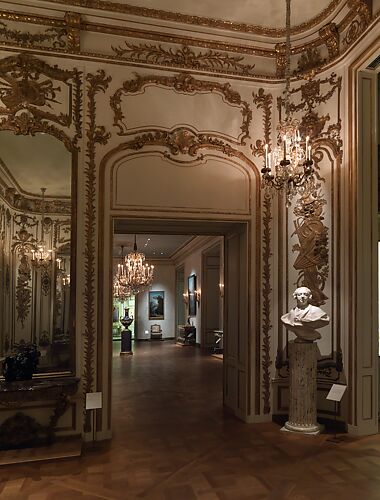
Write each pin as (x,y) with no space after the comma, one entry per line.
(22,364)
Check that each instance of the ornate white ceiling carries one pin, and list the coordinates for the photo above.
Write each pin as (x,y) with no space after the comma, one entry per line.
(155,246)
(270,13)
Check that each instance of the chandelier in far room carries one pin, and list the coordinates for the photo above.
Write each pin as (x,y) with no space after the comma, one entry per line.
(289,167)
(134,274)
(42,255)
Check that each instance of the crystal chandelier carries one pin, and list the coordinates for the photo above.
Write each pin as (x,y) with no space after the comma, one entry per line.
(289,167)
(121,290)
(135,274)
(42,255)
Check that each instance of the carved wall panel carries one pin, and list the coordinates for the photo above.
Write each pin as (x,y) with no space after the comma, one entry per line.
(37,97)
(210,113)
(313,244)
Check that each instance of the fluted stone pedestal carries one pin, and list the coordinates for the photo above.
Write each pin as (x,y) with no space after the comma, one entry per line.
(303,389)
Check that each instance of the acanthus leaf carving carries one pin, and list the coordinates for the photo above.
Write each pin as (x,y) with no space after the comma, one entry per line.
(184,57)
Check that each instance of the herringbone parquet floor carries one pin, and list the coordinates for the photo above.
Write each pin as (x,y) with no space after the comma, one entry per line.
(173,442)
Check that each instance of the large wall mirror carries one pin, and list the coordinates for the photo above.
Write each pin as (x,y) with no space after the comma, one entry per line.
(36,254)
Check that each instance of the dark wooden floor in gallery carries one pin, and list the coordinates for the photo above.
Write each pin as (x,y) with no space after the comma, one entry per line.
(173,442)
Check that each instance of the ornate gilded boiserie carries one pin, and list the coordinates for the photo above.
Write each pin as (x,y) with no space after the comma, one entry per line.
(96,134)
(31,98)
(183,83)
(184,57)
(330,35)
(56,37)
(263,101)
(23,289)
(266,362)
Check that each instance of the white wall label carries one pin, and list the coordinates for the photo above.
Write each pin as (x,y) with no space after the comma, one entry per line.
(93,400)
(336,392)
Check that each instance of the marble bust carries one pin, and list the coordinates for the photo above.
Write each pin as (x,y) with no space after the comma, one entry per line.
(305,319)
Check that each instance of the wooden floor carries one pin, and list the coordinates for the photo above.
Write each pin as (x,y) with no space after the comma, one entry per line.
(173,442)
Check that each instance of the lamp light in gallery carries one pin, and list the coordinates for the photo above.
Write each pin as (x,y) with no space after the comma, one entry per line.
(289,167)
(135,273)
(42,255)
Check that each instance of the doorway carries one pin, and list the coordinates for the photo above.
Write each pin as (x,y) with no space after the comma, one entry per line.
(236,370)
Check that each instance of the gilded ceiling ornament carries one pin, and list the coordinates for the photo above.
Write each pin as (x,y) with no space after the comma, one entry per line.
(330,35)
(57,37)
(184,57)
(182,83)
(309,63)
(73,22)
(280,59)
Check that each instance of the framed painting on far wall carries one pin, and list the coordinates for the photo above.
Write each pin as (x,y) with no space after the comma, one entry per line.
(156,305)
(191,287)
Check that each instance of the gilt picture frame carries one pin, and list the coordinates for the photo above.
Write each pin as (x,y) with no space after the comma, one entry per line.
(156,304)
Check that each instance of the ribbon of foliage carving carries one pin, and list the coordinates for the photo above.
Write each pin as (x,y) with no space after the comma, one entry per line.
(267,326)
(183,83)
(95,134)
(184,57)
(56,36)
(264,101)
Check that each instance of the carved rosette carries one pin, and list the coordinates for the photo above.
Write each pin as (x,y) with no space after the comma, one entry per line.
(96,135)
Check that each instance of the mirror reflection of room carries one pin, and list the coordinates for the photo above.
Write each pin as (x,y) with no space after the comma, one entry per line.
(35,251)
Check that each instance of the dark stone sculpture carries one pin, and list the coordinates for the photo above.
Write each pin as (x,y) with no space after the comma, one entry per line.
(22,364)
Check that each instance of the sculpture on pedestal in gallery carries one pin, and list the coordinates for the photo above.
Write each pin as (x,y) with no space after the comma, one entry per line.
(303,320)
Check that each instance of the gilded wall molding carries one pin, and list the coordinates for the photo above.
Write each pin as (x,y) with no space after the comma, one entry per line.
(55,37)
(202,21)
(182,83)
(96,134)
(266,361)
(336,37)
(184,57)
(263,101)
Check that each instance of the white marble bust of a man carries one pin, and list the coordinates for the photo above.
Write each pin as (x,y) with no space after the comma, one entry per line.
(305,319)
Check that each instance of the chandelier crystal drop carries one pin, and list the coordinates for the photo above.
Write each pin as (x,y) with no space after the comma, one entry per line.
(42,255)
(289,167)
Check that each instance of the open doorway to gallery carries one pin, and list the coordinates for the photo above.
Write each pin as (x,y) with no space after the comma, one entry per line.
(200,238)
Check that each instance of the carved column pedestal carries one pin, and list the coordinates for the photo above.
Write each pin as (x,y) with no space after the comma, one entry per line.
(303,388)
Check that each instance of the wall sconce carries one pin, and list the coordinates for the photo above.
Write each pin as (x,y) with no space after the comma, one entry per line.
(197,296)
(185,296)
(221,289)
